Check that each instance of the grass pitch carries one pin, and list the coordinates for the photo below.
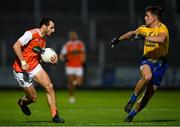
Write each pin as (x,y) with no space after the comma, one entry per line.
(92,108)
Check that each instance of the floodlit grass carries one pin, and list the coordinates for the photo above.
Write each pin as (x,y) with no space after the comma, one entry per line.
(92,108)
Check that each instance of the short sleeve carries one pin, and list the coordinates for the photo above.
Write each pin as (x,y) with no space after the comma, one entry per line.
(163,30)
(64,50)
(140,30)
(25,38)
(83,47)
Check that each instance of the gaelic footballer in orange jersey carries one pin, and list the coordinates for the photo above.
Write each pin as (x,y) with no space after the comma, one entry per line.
(74,53)
(27,68)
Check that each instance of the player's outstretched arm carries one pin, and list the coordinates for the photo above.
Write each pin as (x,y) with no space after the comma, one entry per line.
(134,37)
(117,39)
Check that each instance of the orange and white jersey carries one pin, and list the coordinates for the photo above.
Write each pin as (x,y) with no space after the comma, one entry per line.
(74,52)
(29,40)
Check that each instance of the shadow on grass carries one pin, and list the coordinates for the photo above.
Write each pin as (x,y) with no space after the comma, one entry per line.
(39,121)
(163,120)
(157,120)
(42,123)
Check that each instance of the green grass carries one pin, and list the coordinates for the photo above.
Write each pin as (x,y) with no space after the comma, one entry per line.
(100,108)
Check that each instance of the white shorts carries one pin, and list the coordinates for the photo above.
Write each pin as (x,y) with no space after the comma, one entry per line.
(78,71)
(25,78)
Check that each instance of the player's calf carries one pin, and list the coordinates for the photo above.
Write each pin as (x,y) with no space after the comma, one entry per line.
(130,103)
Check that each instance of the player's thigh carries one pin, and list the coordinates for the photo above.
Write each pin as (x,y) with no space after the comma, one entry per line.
(43,78)
(146,71)
(30,92)
(79,75)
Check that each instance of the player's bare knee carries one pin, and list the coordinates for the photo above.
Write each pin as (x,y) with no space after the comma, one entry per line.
(49,88)
(147,78)
(33,98)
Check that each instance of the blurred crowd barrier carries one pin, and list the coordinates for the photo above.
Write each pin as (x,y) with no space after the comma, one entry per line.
(97,77)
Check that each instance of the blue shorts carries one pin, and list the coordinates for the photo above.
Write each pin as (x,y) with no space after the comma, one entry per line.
(157,69)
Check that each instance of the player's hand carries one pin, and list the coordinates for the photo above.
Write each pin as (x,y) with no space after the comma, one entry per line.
(63,58)
(38,49)
(134,37)
(114,42)
(54,59)
(24,65)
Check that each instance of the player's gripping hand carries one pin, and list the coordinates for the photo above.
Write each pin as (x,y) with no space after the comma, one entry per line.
(114,41)
(24,65)
(38,49)
(54,59)
(134,37)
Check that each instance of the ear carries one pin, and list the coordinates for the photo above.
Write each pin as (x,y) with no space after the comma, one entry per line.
(44,26)
(155,18)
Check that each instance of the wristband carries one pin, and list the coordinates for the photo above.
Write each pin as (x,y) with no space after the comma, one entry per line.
(23,62)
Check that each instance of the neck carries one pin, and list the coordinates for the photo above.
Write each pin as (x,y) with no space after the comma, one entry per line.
(42,33)
(155,24)
(73,39)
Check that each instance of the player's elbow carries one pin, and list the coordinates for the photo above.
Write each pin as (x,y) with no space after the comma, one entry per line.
(34,99)
(16,45)
(49,87)
(162,38)
(61,57)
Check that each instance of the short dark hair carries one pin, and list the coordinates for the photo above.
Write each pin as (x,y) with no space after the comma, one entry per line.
(45,21)
(155,10)
(71,31)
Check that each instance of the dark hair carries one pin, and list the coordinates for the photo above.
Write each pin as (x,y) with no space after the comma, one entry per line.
(71,31)
(155,10)
(45,21)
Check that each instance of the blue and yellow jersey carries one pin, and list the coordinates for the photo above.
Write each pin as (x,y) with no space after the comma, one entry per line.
(154,50)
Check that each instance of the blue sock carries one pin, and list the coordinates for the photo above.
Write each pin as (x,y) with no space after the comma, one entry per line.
(132,113)
(133,98)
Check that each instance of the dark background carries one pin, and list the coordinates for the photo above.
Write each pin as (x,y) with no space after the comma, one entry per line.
(96,21)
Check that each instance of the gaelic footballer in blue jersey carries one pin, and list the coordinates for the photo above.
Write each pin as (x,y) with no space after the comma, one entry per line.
(153,63)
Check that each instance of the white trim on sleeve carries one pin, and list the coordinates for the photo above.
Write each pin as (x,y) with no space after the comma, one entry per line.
(83,49)
(25,38)
(64,50)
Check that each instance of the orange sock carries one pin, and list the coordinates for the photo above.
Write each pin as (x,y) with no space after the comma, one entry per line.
(53,112)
